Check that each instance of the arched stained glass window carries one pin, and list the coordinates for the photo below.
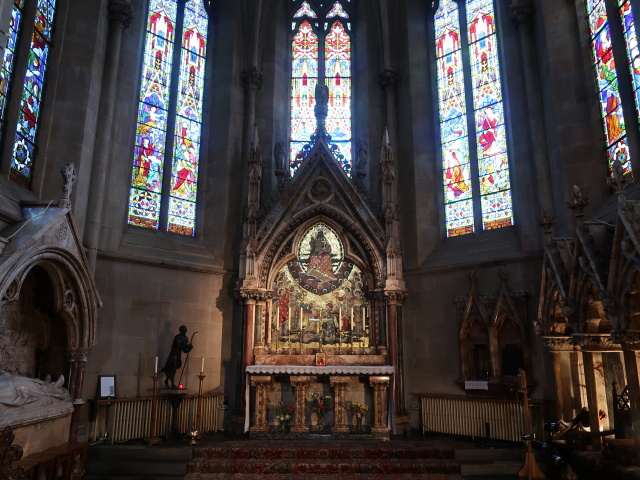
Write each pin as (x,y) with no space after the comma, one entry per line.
(170,101)
(320,51)
(608,65)
(26,86)
(475,166)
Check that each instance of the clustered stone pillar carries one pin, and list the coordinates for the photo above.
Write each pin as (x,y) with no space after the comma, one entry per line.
(339,385)
(119,19)
(379,385)
(261,384)
(300,384)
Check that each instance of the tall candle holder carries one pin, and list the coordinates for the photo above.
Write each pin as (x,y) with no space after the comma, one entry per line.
(152,439)
(201,377)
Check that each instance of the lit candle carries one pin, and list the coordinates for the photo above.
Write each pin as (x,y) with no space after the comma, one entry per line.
(202,365)
(155,368)
(340,318)
(364,317)
(289,320)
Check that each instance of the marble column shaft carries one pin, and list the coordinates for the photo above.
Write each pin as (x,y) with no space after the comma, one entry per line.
(379,385)
(261,384)
(632,368)
(339,385)
(596,392)
(300,384)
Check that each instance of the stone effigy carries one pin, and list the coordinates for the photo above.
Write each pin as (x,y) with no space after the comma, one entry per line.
(16,391)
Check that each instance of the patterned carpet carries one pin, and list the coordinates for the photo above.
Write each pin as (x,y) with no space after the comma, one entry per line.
(322,460)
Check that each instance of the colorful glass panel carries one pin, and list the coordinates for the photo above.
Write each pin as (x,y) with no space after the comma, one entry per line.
(607,80)
(29,116)
(337,11)
(6,69)
(491,148)
(633,52)
(304,77)
(305,10)
(151,131)
(188,125)
(337,58)
(454,141)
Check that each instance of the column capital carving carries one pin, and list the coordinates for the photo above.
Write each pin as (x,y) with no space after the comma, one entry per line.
(300,379)
(260,380)
(389,78)
(338,380)
(595,342)
(249,296)
(628,340)
(559,344)
(522,14)
(78,354)
(395,297)
(252,79)
(119,13)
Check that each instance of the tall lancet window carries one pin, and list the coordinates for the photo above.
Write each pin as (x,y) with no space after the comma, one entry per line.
(321,52)
(616,71)
(475,161)
(22,83)
(164,178)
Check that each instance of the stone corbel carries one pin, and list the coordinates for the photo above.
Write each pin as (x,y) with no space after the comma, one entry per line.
(559,344)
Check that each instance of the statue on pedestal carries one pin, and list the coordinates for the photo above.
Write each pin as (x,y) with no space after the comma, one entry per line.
(180,344)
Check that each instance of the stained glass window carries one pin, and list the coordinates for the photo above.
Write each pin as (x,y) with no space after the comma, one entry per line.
(6,69)
(320,49)
(475,176)
(157,153)
(607,81)
(25,87)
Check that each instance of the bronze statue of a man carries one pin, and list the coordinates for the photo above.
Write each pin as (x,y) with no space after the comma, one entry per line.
(174,361)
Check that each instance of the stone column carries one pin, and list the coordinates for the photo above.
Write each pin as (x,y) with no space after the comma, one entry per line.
(561,348)
(119,19)
(339,385)
(389,80)
(249,322)
(593,346)
(261,384)
(77,357)
(300,384)
(379,385)
(631,351)
(522,12)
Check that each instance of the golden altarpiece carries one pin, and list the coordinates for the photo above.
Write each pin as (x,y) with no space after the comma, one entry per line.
(321,283)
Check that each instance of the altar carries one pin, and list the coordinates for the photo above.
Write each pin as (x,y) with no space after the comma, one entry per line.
(321,288)
(343,383)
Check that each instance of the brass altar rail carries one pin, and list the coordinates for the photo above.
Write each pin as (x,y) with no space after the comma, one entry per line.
(467,416)
(129,418)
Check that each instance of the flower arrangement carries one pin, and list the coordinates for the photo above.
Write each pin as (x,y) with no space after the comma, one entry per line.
(358,409)
(320,404)
(283,412)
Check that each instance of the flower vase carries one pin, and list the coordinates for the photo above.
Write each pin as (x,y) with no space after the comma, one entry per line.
(358,424)
(320,423)
(283,425)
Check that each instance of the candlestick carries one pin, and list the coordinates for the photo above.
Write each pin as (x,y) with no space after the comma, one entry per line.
(352,319)
(202,365)
(155,368)
(289,324)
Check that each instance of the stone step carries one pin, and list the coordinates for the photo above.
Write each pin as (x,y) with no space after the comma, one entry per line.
(138,452)
(492,468)
(314,452)
(320,467)
(338,476)
(137,467)
(489,454)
